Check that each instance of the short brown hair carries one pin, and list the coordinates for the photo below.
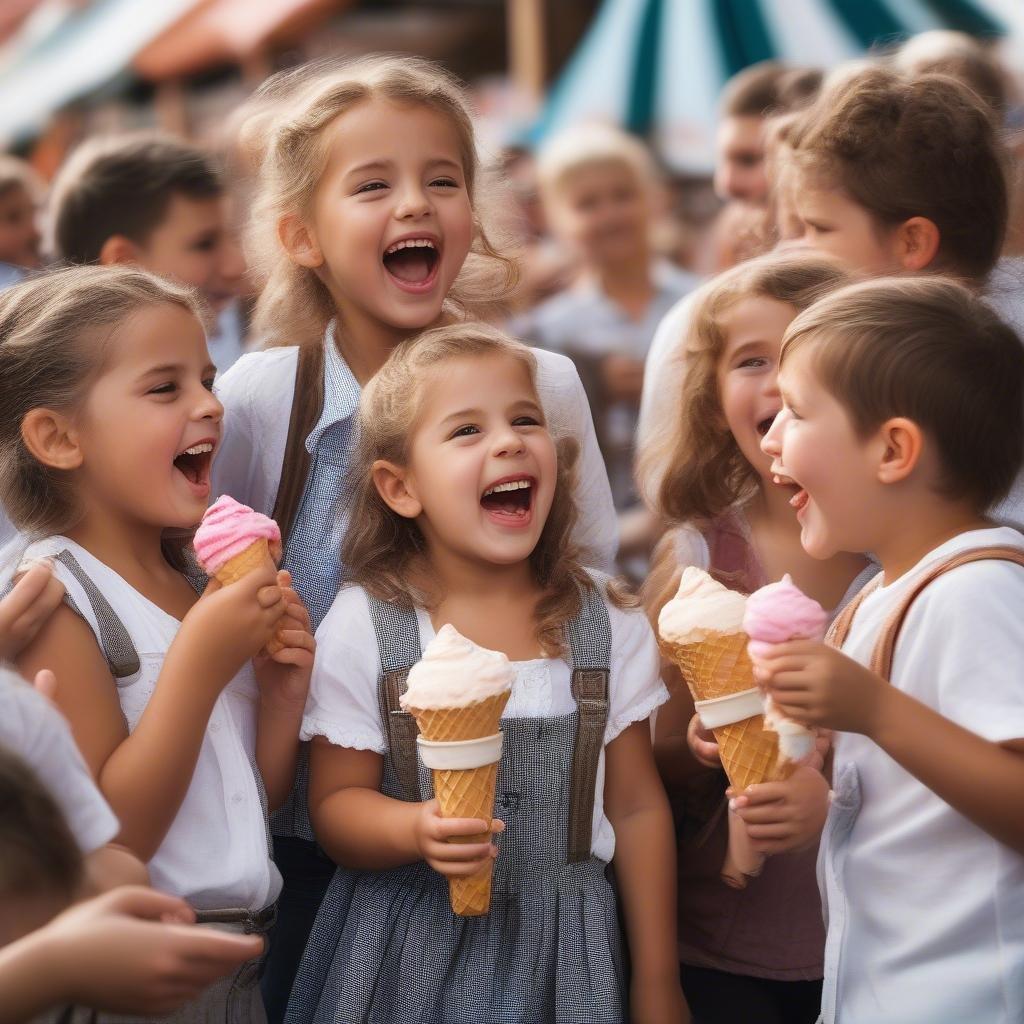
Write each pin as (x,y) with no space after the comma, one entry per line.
(903,148)
(767,88)
(122,185)
(695,469)
(16,173)
(53,331)
(39,855)
(929,350)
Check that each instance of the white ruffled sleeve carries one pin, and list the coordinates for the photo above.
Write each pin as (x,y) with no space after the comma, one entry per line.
(342,705)
(636,689)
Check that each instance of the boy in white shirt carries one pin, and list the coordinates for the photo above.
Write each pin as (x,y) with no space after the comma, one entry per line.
(901,425)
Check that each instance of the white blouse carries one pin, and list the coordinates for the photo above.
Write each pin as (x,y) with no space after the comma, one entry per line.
(343,705)
(216,853)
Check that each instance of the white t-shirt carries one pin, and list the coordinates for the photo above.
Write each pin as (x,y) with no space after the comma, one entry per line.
(925,910)
(38,733)
(216,853)
(343,705)
(257,396)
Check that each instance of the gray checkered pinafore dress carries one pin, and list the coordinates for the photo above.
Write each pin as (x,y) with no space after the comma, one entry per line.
(386,947)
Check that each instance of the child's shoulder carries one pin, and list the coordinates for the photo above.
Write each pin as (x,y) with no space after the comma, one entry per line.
(258,373)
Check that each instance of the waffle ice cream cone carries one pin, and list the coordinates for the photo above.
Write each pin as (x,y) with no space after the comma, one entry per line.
(716,667)
(457,692)
(233,541)
(467,792)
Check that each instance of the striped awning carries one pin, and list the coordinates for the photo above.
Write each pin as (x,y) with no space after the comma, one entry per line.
(657,67)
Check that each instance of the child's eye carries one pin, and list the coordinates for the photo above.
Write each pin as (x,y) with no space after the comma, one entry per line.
(754,361)
(372,186)
(208,383)
(526,421)
(445,183)
(467,431)
(163,389)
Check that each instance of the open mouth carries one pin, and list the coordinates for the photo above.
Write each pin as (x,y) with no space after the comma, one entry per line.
(412,263)
(510,501)
(194,465)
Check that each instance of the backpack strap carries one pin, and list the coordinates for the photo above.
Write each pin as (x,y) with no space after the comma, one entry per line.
(307,406)
(398,642)
(114,639)
(840,628)
(885,646)
(589,636)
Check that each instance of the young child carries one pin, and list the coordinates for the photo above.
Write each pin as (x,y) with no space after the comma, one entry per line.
(431,542)
(756,953)
(20,194)
(160,204)
(107,429)
(371,227)
(890,176)
(599,189)
(902,425)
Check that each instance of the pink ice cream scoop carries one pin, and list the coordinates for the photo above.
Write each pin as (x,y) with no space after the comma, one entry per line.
(230,529)
(780,612)
(775,614)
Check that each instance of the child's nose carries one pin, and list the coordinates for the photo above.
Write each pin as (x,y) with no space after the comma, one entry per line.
(413,202)
(508,442)
(771,443)
(209,407)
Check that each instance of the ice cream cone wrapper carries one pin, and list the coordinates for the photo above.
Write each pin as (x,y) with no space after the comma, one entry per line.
(465,792)
(245,562)
(716,667)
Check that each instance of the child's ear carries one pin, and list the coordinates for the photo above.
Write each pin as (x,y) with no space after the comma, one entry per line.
(118,249)
(51,439)
(392,483)
(299,242)
(918,243)
(902,443)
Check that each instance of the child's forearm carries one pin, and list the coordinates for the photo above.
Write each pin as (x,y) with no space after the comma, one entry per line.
(277,749)
(29,979)
(645,868)
(982,780)
(365,830)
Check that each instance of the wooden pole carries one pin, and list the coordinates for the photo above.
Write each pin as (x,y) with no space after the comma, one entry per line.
(527,46)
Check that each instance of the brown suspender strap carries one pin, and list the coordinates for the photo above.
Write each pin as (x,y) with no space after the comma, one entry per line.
(401,731)
(840,628)
(885,646)
(307,405)
(590,690)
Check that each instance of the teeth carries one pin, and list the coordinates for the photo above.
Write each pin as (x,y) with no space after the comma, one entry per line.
(410,243)
(198,449)
(512,485)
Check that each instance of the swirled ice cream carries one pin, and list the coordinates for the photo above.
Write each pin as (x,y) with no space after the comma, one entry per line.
(455,672)
(229,528)
(701,608)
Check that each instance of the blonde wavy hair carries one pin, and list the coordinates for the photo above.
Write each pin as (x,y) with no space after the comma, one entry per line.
(701,469)
(384,552)
(286,136)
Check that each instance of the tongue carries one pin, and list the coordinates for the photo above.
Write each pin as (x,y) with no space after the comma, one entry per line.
(412,265)
(504,502)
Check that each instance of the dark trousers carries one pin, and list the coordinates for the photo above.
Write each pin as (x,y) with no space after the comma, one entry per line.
(716,997)
(306,872)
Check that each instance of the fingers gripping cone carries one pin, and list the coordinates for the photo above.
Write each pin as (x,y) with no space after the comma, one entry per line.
(457,693)
(465,792)
(233,541)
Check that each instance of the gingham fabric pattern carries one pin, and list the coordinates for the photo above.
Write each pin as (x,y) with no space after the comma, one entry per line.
(313,555)
(386,947)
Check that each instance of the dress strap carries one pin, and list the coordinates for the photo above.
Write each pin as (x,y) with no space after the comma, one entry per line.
(307,406)
(885,646)
(589,636)
(114,639)
(398,643)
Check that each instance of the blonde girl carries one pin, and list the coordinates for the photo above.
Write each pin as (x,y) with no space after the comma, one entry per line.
(438,537)
(107,427)
(754,954)
(369,227)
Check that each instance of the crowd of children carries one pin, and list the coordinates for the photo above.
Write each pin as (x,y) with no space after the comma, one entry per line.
(213,802)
